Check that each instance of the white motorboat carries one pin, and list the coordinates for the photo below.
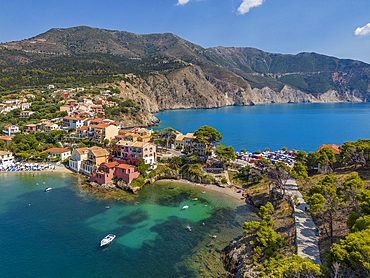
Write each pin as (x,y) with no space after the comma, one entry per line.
(185,207)
(107,240)
(48,189)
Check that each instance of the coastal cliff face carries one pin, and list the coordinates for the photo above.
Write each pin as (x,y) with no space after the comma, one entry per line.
(191,88)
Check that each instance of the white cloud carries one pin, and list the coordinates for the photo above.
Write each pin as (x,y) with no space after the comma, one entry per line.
(182,2)
(247,5)
(363,31)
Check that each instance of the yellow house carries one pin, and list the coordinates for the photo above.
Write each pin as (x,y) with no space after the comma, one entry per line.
(145,150)
(95,157)
(104,131)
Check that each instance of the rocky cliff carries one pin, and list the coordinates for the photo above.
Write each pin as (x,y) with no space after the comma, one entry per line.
(191,88)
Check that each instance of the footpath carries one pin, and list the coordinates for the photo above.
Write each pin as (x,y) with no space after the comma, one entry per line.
(307,244)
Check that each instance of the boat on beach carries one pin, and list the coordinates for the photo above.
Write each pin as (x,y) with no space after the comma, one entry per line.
(48,189)
(107,240)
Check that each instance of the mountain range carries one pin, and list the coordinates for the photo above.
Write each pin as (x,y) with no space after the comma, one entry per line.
(173,73)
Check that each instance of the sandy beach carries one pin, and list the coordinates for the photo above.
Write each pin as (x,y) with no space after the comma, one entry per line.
(223,190)
(58,169)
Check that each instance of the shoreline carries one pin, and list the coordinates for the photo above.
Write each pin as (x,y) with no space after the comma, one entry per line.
(222,190)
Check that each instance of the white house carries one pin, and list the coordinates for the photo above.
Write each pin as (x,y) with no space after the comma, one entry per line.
(59,153)
(10,130)
(73,122)
(10,101)
(6,158)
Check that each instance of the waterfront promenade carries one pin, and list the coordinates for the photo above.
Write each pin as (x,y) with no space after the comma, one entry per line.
(307,244)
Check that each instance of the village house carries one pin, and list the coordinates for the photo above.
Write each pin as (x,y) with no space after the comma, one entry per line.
(24,105)
(82,132)
(58,153)
(107,171)
(30,127)
(147,151)
(25,114)
(6,158)
(336,151)
(6,139)
(10,101)
(96,108)
(10,130)
(50,126)
(78,156)
(95,157)
(72,122)
(67,108)
(98,133)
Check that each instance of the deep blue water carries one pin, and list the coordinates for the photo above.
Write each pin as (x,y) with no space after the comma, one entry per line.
(57,233)
(304,126)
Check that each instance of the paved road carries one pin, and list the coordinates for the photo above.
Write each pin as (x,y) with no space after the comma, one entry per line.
(307,244)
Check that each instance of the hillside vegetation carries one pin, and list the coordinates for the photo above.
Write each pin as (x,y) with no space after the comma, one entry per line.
(82,55)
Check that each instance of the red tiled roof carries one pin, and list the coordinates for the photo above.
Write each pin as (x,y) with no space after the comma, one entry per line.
(333,147)
(124,166)
(57,150)
(110,164)
(6,138)
(72,118)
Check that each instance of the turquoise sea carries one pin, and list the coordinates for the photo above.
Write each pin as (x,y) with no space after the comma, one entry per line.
(303,126)
(57,233)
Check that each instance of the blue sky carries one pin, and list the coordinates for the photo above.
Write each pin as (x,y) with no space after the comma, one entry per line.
(339,28)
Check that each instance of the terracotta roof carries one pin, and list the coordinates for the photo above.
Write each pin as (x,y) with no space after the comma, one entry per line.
(95,148)
(82,150)
(120,136)
(100,152)
(6,138)
(97,120)
(122,131)
(101,125)
(72,118)
(8,126)
(57,150)
(124,166)
(180,137)
(82,128)
(4,152)
(333,147)
(110,164)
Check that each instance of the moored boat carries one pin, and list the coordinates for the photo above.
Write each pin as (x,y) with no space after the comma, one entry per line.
(48,189)
(185,207)
(107,240)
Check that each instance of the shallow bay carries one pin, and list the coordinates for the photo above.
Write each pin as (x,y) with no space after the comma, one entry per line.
(57,233)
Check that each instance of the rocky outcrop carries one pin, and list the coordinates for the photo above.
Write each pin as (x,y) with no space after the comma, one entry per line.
(127,187)
(237,257)
(103,188)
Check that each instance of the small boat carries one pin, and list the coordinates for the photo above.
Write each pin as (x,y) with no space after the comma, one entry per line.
(185,207)
(188,227)
(48,189)
(107,240)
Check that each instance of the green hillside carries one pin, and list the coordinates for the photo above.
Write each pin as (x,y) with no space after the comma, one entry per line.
(84,54)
